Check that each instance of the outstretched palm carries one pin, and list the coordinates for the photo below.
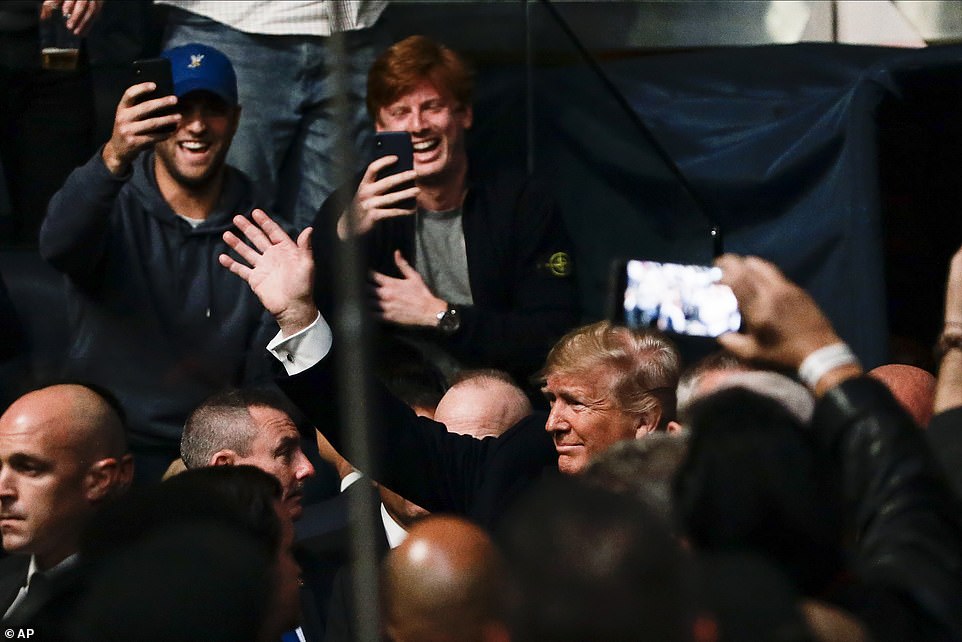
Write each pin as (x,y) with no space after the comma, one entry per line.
(278,270)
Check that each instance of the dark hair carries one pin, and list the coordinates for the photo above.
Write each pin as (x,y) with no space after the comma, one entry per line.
(224,421)
(644,469)
(588,564)
(186,581)
(753,482)
(241,497)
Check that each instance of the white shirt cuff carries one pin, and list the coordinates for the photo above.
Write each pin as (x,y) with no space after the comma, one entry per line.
(302,350)
(349,479)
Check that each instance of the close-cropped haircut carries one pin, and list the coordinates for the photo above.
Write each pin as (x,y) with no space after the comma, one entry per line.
(223,421)
(692,377)
(405,64)
(645,364)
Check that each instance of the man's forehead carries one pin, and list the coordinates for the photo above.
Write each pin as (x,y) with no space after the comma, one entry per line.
(424,90)
(33,442)
(593,378)
(273,424)
(36,433)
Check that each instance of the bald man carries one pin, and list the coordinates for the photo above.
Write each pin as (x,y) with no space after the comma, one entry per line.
(482,403)
(444,584)
(913,388)
(62,454)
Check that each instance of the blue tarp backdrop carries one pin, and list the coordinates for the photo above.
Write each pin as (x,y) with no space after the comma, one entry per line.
(778,144)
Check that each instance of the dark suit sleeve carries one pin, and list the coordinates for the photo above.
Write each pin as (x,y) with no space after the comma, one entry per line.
(413,456)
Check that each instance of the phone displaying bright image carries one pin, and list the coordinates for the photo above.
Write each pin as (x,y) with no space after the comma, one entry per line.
(396,144)
(675,298)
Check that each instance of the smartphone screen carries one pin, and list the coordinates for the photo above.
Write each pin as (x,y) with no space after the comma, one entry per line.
(681,299)
(156,70)
(396,144)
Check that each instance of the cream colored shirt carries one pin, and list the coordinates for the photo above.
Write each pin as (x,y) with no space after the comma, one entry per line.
(290,17)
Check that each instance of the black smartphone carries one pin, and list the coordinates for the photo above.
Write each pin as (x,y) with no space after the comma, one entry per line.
(675,298)
(396,144)
(156,70)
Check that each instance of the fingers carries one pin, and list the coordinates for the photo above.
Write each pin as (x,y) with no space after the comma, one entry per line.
(370,175)
(47,8)
(274,232)
(381,280)
(150,126)
(129,98)
(388,183)
(242,249)
(743,346)
(236,267)
(305,238)
(83,15)
(406,270)
(133,119)
(253,233)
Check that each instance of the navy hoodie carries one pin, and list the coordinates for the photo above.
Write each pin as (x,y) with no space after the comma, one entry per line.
(154,316)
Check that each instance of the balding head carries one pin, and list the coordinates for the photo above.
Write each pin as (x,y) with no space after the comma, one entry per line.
(62,452)
(443,583)
(482,403)
(912,387)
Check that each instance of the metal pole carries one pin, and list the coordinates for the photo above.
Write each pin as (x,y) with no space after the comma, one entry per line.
(352,337)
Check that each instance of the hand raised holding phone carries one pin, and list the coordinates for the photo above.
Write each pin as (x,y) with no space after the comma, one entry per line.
(145,115)
(387,188)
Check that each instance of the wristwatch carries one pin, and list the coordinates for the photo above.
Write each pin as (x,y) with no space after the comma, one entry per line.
(449,321)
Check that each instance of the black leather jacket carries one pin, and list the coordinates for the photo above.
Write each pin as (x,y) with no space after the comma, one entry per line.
(903,522)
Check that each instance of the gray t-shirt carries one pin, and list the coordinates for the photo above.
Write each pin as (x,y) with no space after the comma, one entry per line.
(440,256)
(442,261)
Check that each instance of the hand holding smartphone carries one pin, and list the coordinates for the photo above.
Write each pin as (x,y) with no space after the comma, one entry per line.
(679,299)
(396,144)
(157,71)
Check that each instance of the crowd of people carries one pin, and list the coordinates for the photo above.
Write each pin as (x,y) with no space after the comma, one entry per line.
(771,491)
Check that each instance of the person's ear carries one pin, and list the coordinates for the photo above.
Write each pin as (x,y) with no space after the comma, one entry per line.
(105,476)
(225,457)
(648,422)
(674,427)
(467,116)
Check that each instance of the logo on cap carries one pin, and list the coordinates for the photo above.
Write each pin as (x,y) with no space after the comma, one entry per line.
(195,60)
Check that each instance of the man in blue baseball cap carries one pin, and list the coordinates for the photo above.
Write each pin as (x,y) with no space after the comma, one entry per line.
(137,231)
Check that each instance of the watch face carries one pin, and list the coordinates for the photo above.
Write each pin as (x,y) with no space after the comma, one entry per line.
(449,321)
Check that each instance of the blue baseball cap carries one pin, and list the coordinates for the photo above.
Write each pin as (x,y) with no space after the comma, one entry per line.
(195,67)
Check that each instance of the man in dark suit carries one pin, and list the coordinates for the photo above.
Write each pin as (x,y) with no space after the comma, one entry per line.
(249,426)
(62,454)
(253,426)
(604,383)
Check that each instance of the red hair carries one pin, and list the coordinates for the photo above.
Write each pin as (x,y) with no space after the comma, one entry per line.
(407,63)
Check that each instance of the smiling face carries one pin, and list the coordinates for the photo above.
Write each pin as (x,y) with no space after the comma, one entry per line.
(194,155)
(437,125)
(276,449)
(585,418)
